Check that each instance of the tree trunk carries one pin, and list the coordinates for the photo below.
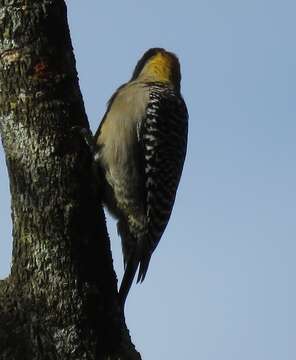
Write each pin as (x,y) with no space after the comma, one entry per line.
(60,300)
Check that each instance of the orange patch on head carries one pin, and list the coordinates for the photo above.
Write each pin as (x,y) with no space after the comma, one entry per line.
(161,67)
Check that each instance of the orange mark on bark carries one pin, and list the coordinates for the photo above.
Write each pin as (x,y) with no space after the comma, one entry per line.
(41,70)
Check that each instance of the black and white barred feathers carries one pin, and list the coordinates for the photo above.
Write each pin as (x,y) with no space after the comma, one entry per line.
(141,146)
(163,137)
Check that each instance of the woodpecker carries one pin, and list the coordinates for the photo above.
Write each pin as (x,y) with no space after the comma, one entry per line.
(140,148)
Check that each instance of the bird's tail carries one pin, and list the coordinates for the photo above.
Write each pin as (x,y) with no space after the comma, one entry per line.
(127,280)
(129,275)
(144,263)
(134,255)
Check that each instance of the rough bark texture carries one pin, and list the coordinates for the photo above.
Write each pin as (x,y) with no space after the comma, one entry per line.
(60,301)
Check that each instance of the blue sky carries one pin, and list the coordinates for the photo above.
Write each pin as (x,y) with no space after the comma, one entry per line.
(221,284)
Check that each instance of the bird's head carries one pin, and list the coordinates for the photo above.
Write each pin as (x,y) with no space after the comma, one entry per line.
(158,65)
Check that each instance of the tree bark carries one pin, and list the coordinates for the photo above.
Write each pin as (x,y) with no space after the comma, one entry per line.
(60,300)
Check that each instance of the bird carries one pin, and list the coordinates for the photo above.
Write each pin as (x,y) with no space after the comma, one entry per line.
(140,148)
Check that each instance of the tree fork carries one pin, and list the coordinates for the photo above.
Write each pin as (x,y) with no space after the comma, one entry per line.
(60,300)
